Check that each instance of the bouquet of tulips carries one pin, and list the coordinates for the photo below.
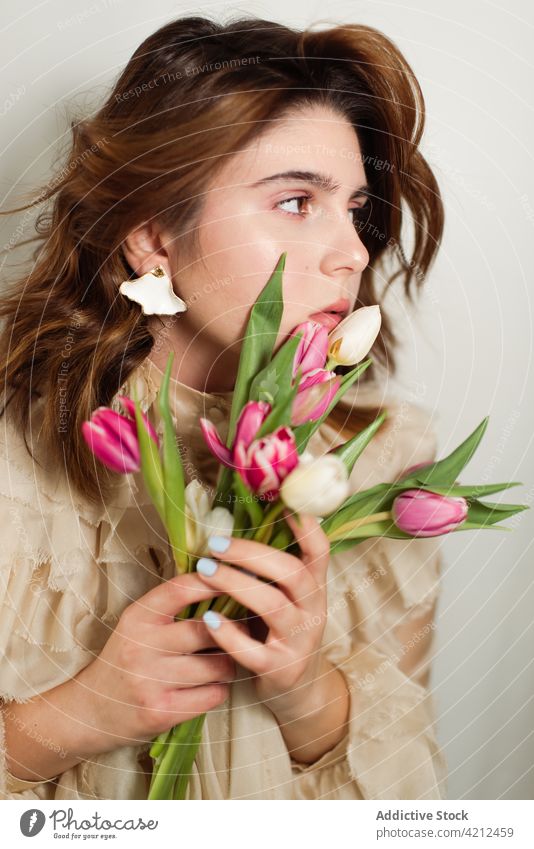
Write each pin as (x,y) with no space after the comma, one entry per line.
(279,401)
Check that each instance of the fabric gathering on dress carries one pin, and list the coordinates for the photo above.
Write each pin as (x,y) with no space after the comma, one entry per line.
(69,568)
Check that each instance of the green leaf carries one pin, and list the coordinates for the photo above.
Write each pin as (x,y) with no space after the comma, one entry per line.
(375,500)
(471,526)
(249,500)
(278,372)
(258,343)
(259,340)
(351,450)
(282,412)
(150,461)
(466,491)
(489,513)
(446,472)
(174,490)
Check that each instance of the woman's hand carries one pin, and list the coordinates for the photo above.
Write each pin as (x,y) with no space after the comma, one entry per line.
(149,675)
(289,667)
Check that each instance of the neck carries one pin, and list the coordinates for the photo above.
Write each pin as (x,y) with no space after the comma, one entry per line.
(198,362)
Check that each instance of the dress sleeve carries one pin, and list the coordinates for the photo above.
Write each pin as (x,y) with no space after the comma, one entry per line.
(41,596)
(382,596)
(10,786)
(68,568)
(50,600)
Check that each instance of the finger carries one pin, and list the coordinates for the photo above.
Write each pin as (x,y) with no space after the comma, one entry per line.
(160,605)
(286,570)
(248,652)
(186,704)
(312,541)
(184,671)
(185,637)
(277,611)
(242,624)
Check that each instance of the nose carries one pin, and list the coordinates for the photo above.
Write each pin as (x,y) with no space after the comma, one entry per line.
(344,251)
(347,254)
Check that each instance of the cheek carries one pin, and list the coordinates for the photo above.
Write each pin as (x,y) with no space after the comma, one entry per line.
(231,224)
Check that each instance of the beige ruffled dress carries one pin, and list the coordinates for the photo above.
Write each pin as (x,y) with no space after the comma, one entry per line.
(68,569)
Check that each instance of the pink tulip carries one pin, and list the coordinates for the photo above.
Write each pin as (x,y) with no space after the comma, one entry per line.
(267,461)
(313,347)
(428,514)
(316,391)
(262,463)
(113,438)
(249,422)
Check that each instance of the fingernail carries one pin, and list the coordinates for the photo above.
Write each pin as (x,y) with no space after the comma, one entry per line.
(219,544)
(211,619)
(206,566)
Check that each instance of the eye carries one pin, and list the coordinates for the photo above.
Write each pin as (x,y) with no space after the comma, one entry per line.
(362,214)
(292,200)
(359,213)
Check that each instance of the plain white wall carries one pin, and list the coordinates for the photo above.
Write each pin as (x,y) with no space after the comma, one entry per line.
(468,346)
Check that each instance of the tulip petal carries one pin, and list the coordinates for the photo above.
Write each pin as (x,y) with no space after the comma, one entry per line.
(250,420)
(314,397)
(352,339)
(118,429)
(312,349)
(317,485)
(258,473)
(215,443)
(265,463)
(129,405)
(110,451)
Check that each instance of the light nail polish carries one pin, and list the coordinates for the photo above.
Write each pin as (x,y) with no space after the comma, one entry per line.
(211,619)
(206,566)
(219,543)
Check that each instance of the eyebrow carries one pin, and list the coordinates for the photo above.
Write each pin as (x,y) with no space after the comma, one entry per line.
(323,181)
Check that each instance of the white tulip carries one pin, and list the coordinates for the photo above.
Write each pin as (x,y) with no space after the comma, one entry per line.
(201,521)
(317,486)
(353,338)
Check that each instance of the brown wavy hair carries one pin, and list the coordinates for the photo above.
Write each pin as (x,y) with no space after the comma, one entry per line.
(193,92)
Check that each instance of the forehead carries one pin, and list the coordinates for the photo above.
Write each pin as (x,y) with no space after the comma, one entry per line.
(315,140)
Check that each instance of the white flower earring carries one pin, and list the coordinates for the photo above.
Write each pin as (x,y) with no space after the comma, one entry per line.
(154,292)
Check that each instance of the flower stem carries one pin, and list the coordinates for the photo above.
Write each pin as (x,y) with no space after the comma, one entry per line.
(159,743)
(342,530)
(168,769)
(282,538)
(202,607)
(264,530)
(182,782)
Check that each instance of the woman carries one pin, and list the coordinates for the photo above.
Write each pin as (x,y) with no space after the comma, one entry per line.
(181,169)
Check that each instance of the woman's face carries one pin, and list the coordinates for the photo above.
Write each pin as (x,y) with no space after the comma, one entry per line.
(249,219)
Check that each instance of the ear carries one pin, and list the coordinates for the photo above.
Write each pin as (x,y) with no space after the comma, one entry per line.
(144,248)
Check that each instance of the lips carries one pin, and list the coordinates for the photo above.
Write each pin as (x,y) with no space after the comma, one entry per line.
(327,319)
(342,305)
